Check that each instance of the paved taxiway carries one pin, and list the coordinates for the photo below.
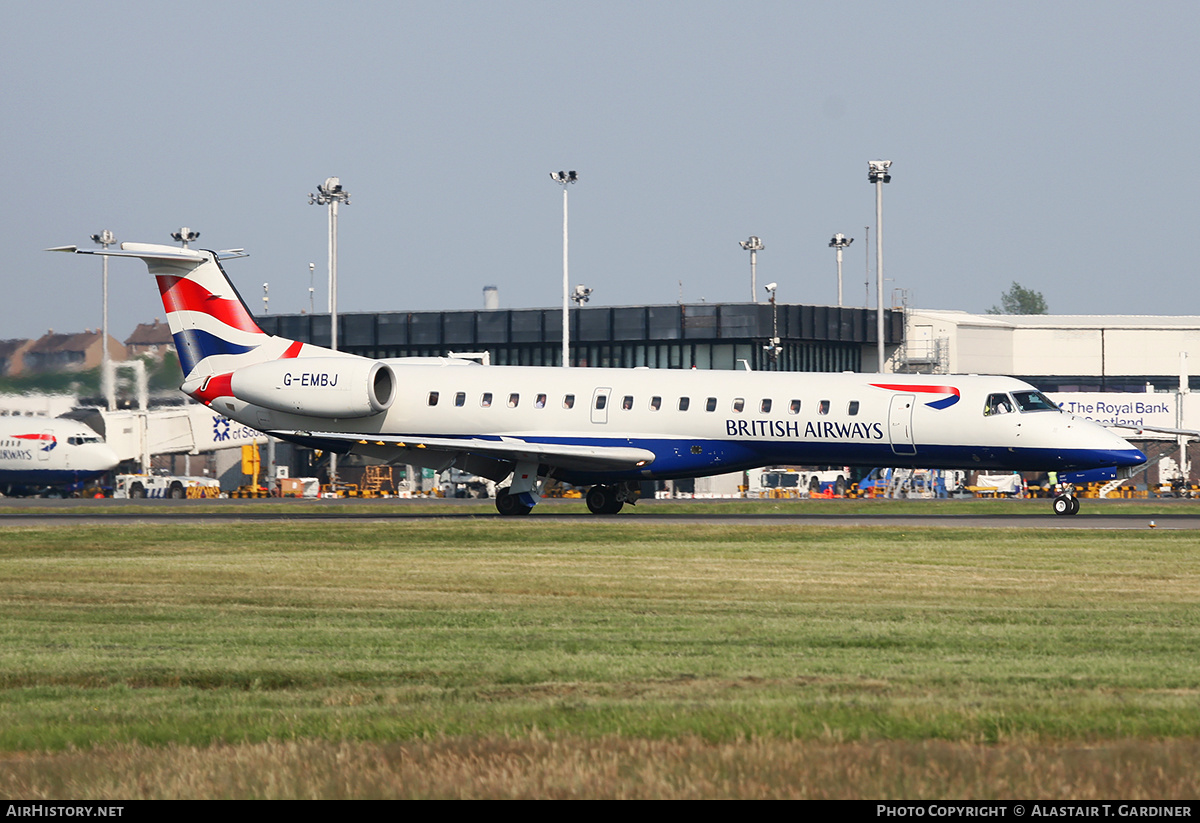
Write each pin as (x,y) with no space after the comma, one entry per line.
(29,512)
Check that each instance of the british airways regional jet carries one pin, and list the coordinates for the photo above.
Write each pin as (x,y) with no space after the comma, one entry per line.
(607,429)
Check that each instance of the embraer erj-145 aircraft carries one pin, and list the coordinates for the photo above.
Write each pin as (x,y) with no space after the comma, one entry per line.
(603,428)
(40,455)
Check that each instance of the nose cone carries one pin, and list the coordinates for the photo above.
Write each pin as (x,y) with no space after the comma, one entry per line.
(1129,457)
(101,458)
(1121,451)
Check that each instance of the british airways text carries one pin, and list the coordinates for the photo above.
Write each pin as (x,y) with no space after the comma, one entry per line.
(823,429)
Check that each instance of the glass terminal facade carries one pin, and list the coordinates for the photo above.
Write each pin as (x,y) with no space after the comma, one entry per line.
(673,336)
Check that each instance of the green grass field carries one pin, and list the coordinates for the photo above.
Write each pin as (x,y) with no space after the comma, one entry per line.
(621,658)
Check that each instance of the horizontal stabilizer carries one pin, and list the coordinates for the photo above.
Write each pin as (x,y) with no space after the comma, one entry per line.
(151,251)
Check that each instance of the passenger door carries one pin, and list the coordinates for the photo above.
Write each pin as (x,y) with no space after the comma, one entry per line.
(900,424)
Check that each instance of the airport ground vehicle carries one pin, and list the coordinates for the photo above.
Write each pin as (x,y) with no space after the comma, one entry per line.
(175,487)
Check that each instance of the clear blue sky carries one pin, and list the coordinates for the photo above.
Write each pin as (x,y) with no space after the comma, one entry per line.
(1050,143)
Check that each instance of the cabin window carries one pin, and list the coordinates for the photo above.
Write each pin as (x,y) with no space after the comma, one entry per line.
(513,400)
(794,407)
(655,403)
(433,398)
(540,402)
(460,399)
(998,404)
(823,407)
(568,401)
(765,405)
(627,402)
(739,404)
(710,404)
(684,402)
(486,400)
(852,409)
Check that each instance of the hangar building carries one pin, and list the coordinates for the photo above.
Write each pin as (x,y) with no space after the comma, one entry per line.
(1057,353)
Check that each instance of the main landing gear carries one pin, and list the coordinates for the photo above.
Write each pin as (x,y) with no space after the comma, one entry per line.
(611,499)
(519,498)
(511,505)
(600,499)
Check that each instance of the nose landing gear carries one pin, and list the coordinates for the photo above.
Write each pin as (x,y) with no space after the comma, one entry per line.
(1066,502)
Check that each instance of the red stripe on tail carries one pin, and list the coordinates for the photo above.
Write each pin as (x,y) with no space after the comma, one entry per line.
(181,294)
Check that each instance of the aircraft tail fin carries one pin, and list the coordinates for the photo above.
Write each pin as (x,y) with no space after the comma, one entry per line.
(213,329)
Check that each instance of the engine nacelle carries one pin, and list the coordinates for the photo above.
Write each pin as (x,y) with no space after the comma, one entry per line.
(318,386)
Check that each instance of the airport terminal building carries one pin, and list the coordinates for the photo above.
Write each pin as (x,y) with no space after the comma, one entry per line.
(672,336)
(1058,353)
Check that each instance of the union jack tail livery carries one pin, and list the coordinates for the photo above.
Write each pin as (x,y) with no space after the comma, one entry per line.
(213,330)
(215,334)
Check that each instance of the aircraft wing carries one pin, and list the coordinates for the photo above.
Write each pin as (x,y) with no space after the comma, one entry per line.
(1158,430)
(561,455)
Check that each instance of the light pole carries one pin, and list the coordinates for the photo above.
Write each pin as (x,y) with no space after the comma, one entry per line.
(754,245)
(564,179)
(866,267)
(330,193)
(773,348)
(185,236)
(312,308)
(839,242)
(105,239)
(877,173)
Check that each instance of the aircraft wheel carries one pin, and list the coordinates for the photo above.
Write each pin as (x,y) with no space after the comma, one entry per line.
(814,487)
(603,500)
(510,505)
(1074,505)
(840,487)
(137,491)
(1065,505)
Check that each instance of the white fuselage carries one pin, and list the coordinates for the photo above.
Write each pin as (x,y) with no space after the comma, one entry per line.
(706,422)
(39,452)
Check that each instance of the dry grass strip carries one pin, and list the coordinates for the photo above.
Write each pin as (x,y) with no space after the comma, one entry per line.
(611,767)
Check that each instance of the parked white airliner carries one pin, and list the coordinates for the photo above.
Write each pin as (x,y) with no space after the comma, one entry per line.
(604,428)
(44,455)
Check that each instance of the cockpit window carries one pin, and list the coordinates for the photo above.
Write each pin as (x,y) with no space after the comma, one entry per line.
(997,404)
(1032,401)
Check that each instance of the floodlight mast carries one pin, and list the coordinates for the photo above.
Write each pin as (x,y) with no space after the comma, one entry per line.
(878,173)
(330,193)
(839,242)
(564,179)
(185,236)
(105,239)
(773,348)
(754,245)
